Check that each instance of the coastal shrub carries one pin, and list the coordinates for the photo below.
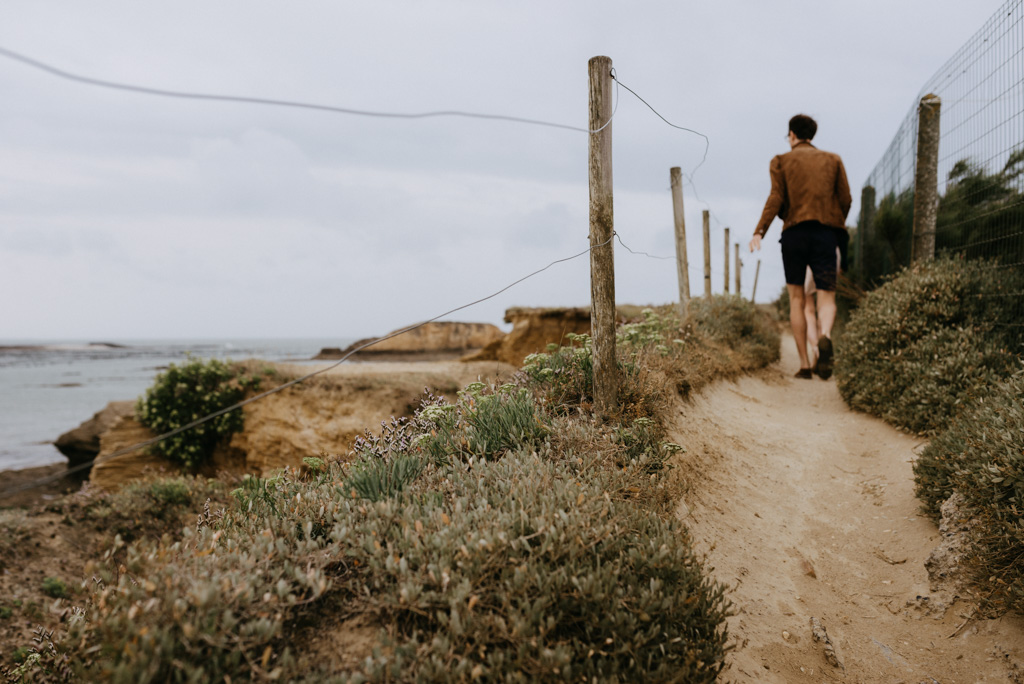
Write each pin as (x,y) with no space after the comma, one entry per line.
(563,377)
(54,587)
(501,570)
(641,443)
(657,329)
(981,456)
(529,574)
(257,495)
(150,507)
(564,374)
(209,607)
(375,479)
(187,392)
(485,422)
(172,492)
(925,343)
(724,336)
(739,325)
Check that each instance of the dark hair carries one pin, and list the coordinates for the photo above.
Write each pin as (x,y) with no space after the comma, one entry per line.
(803,126)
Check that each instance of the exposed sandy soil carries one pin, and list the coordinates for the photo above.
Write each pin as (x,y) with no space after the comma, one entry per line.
(807,510)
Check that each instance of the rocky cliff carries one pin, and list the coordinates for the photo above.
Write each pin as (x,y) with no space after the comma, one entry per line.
(83,443)
(428,342)
(532,331)
(322,415)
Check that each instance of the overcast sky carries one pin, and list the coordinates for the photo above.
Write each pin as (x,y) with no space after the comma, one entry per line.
(125,215)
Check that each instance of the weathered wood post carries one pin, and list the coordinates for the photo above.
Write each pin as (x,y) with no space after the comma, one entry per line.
(739,267)
(864,228)
(757,272)
(726,289)
(926,179)
(602,252)
(675,175)
(707,254)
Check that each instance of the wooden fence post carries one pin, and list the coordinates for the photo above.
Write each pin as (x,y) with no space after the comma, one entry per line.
(707,254)
(739,267)
(602,252)
(726,290)
(926,179)
(675,175)
(757,272)
(864,230)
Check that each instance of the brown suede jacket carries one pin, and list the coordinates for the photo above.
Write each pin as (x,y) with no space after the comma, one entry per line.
(808,184)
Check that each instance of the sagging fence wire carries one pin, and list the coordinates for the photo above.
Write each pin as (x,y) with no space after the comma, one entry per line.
(707,141)
(980,211)
(147,90)
(162,92)
(199,421)
(87,80)
(692,267)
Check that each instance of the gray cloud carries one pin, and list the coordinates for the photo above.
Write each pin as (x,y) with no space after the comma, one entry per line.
(240,219)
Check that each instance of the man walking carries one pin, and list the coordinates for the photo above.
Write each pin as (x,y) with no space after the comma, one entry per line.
(812,197)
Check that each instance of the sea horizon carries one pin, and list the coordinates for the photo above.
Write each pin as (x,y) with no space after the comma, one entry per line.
(49,386)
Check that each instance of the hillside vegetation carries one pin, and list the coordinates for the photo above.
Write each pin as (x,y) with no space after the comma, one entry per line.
(506,535)
(937,351)
(924,344)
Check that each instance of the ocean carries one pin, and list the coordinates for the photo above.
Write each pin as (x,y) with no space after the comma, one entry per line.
(48,387)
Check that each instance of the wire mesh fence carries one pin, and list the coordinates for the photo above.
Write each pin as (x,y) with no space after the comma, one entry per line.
(980,165)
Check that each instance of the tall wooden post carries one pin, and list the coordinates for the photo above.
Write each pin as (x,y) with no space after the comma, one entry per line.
(602,252)
(864,229)
(707,254)
(926,179)
(757,272)
(726,289)
(675,175)
(739,267)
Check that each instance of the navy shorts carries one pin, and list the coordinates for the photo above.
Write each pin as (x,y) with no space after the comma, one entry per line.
(810,244)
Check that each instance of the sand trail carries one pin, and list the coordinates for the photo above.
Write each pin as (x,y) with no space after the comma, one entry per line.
(807,511)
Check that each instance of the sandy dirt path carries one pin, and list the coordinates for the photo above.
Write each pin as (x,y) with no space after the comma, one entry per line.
(806,510)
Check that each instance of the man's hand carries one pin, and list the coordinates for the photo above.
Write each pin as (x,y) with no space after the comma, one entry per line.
(755,243)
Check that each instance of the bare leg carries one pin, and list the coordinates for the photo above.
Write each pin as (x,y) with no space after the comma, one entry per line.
(812,328)
(798,322)
(826,312)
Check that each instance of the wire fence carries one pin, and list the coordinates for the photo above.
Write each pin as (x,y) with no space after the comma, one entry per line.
(5,53)
(980,164)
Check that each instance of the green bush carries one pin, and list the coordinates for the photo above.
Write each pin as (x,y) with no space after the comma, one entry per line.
(170,492)
(563,377)
(483,423)
(530,574)
(54,587)
(375,479)
(565,374)
(187,392)
(257,496)
(981,456)
(657,329)
(641,443)
(504,570)
(150,507)
(925,343)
